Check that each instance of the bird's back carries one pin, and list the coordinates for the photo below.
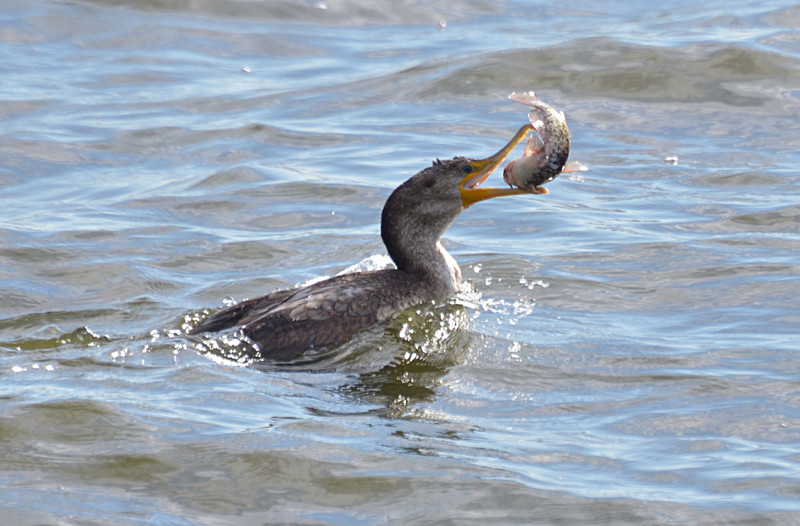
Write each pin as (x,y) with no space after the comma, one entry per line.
(285,323)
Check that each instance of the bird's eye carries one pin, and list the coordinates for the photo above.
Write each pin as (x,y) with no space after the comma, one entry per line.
(467,168)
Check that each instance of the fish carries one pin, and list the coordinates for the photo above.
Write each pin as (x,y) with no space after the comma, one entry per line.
(546,153)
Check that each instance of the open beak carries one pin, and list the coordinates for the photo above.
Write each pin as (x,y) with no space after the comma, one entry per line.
(483,168)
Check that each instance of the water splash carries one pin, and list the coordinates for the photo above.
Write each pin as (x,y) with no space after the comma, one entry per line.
(374,262)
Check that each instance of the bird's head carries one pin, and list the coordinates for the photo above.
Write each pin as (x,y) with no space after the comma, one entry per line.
(476,171)
(431,199)
(456,182)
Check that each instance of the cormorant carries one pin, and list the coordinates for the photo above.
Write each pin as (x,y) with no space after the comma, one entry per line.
(284,324)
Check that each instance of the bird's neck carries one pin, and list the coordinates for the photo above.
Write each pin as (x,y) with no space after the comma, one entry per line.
(416,248)
(430,261)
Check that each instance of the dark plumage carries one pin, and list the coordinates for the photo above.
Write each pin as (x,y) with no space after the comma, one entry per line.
(285,323)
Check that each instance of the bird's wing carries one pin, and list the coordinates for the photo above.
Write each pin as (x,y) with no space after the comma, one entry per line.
(233,315)
(285,323)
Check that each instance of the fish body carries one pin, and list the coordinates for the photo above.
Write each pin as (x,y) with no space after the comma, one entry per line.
(546,155)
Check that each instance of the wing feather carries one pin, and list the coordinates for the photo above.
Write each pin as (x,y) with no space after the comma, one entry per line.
(285,323)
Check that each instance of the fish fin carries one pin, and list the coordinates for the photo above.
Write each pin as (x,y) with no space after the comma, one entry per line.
(534,145)
(574,166)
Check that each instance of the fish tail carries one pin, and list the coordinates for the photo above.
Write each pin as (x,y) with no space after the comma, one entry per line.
(528,97)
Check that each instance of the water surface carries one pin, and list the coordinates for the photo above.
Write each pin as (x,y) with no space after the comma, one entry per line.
(627,352)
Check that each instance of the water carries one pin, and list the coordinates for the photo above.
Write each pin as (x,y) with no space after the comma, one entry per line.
(628,353)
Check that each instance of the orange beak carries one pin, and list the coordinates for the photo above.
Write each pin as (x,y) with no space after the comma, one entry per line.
(483,168)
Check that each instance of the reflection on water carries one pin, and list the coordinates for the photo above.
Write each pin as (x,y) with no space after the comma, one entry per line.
(627,353)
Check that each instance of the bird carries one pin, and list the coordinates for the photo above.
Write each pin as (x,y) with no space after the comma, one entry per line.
(284,324)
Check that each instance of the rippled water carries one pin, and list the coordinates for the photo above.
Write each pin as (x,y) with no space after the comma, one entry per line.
(628,353)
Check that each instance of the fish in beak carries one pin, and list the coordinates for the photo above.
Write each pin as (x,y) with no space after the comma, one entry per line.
(483,168)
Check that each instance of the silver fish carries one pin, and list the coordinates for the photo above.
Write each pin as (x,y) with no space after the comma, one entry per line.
(545,155)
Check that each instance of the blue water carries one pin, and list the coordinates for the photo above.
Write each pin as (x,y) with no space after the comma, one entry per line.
(627,351)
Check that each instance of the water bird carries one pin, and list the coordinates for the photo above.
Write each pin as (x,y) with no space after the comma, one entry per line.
(283,324)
